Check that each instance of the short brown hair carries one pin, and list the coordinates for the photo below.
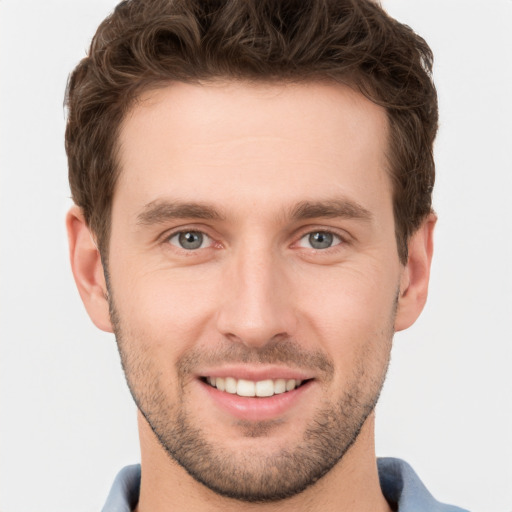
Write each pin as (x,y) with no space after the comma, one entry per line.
(150,43)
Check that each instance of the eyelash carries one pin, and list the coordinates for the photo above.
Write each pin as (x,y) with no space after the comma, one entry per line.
(169,237)
(343,240)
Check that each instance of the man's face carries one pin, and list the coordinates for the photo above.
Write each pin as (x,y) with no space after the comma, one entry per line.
(253,247)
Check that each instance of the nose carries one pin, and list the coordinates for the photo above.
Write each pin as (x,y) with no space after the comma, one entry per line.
(257,305)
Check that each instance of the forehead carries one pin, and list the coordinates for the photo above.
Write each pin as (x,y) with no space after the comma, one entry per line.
(239,142)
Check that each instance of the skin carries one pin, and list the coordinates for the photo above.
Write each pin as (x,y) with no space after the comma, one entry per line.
(256,287)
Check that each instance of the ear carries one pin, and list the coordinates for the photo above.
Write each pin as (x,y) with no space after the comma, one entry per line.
(88,269)
(416,274)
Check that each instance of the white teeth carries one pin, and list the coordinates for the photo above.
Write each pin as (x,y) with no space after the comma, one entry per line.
(279,386)
(290,384)
(245,388)
(220,383)
(231,385)
(265,388)
(249,388)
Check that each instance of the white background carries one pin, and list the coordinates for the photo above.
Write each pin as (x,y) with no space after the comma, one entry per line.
(67,421)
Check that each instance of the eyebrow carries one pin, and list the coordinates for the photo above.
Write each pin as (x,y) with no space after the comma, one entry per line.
(161,211)
(334,208)
(158,212)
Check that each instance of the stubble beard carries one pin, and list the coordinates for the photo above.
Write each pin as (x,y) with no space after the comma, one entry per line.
(251,476)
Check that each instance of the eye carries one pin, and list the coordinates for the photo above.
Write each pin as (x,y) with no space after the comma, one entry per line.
(319,240)
(190,240)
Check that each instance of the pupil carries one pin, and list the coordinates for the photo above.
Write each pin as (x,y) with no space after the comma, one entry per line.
(191,240)
(320,240)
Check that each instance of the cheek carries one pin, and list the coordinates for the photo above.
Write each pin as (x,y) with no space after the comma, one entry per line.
(165,311)
(349,309)
(362,292)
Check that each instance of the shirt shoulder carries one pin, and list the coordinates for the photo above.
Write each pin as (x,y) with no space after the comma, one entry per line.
(124,494)
(404,490)
(400,485)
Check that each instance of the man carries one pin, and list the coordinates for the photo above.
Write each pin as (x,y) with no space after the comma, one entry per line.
(253,221)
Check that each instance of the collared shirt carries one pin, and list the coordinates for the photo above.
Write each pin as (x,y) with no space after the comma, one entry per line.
(400,485)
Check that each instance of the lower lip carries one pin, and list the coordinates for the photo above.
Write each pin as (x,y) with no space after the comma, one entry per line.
(256,408)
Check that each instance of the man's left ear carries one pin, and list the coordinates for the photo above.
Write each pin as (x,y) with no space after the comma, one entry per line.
(416,274)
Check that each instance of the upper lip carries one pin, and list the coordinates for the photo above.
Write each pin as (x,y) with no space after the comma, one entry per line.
(256,373)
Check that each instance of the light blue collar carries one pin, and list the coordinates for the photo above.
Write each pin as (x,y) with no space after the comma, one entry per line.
(400,486)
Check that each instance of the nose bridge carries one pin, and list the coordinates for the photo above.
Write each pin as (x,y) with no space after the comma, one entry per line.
(257,304)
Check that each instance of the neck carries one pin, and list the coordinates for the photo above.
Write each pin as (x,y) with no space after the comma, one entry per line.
(352,485)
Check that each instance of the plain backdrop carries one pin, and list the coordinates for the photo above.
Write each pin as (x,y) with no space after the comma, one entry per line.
(67,422)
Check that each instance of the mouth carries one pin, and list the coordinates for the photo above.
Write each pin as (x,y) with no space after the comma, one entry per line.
(256,393)
(258,389)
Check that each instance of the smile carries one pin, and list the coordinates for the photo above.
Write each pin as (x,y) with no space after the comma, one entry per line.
(249,388)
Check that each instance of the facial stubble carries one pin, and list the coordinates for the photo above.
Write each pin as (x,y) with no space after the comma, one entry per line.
(249,475)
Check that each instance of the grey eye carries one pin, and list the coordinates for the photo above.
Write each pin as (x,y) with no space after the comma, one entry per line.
(319,240)
(190,240)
